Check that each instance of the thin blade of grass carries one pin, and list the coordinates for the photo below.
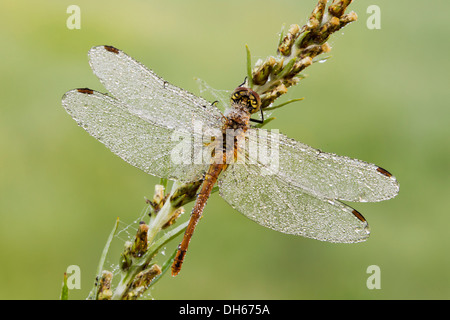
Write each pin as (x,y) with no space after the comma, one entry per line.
(103,257)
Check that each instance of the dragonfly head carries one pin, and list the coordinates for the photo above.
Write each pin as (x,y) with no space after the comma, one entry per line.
(247,98)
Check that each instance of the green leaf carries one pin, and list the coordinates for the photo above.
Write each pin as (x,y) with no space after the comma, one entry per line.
(65,289)
(163,182)
(266,121)
(165,267)
(103,258)
(154,248)
(283,104)
(286,69)
(215,189)
(249,67)
(281,34)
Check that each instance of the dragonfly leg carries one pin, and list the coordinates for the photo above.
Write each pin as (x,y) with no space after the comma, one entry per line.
(259,121)
(245,80)
(212,104)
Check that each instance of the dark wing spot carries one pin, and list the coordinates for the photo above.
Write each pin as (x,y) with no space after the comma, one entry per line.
(112,49)
(383,171)
(358,215)
(85,91)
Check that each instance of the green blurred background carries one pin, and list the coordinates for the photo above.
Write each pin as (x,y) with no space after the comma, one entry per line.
(382,97)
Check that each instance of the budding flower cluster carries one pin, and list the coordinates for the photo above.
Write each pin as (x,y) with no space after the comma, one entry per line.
(296,50)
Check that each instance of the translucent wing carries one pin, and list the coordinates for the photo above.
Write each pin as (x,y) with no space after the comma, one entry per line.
(152,147)
(149,96)
(320,174)
(277,204)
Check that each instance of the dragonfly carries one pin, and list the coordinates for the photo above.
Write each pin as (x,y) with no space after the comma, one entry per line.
(303,194)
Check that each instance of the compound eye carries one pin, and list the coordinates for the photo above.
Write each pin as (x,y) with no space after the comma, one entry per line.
(255,101)
(239,93)
(236,96)
(254,104)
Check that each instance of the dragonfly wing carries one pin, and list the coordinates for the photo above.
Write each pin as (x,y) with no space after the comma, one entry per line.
(147,95)
(321,174)
(151,147)
(277,204)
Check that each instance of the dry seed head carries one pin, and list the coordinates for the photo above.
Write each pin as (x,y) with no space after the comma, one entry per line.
(178,212)
(331,26)
(286,44)
(317,15)
(140,240)
(158,198)
(144,278)
(141,282)
(338,7)
(125,256)
(270,96)
(326,48)
(159,193)
(345,19)
(300,66)
(104,286)
(278,65)
(105,295)
(261,73)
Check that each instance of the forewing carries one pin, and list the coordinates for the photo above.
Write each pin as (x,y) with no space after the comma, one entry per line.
(321,174)
(151,147)
(147,95)
(279,205)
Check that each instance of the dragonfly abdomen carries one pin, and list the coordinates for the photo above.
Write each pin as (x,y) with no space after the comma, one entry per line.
(210,179)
